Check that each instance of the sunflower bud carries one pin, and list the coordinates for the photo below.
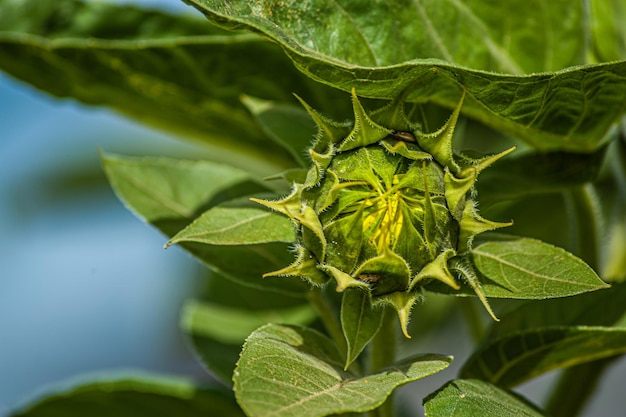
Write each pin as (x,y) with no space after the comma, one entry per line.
(386,208)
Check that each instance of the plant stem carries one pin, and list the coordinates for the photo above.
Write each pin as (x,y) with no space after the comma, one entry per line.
(575,387)
(382,354)
(329,319)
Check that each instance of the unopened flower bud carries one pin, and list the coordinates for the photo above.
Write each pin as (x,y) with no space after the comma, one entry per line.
(386,208)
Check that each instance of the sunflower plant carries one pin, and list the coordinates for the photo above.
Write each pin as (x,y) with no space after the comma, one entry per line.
(378,170)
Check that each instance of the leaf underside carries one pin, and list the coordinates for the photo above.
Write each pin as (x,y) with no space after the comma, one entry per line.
(441,50)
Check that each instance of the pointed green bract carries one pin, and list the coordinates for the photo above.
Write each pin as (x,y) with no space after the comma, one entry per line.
(305,266)
(473,224)
(403,303)
(365,131)
(437,269)
(439,143)
(386,209)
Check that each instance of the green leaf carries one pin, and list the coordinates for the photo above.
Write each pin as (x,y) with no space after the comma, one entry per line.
(135,397)
(289,126)
(599,308)
(360,321)
(218,331)
(228,296)
(531,269)
(293,371)
(541,336)
(238,222)
(473,398)
(502,40)
(170,193)
(232,325)
(511,360)
(436,55)
(219,358)
(554,227)
(177,73)
(259,259)
(537,173)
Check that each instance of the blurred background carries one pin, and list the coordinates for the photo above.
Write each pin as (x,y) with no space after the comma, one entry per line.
(85,287)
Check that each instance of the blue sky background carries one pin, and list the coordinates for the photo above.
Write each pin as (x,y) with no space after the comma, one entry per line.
(85,287)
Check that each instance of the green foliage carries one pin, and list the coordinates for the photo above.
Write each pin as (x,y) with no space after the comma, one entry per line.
(530,268)
(489,51)
(135,397)
(360,321)
(473,398)
(384,194)
(289,371)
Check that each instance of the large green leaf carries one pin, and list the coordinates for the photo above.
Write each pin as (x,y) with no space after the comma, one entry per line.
(531,269)
(541,336)
(514,359)
(173,72)
(135,397)
(297,372)
(440,49)
(503,38)
(525,268)
(170,193)
(599,308)
(474,398)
